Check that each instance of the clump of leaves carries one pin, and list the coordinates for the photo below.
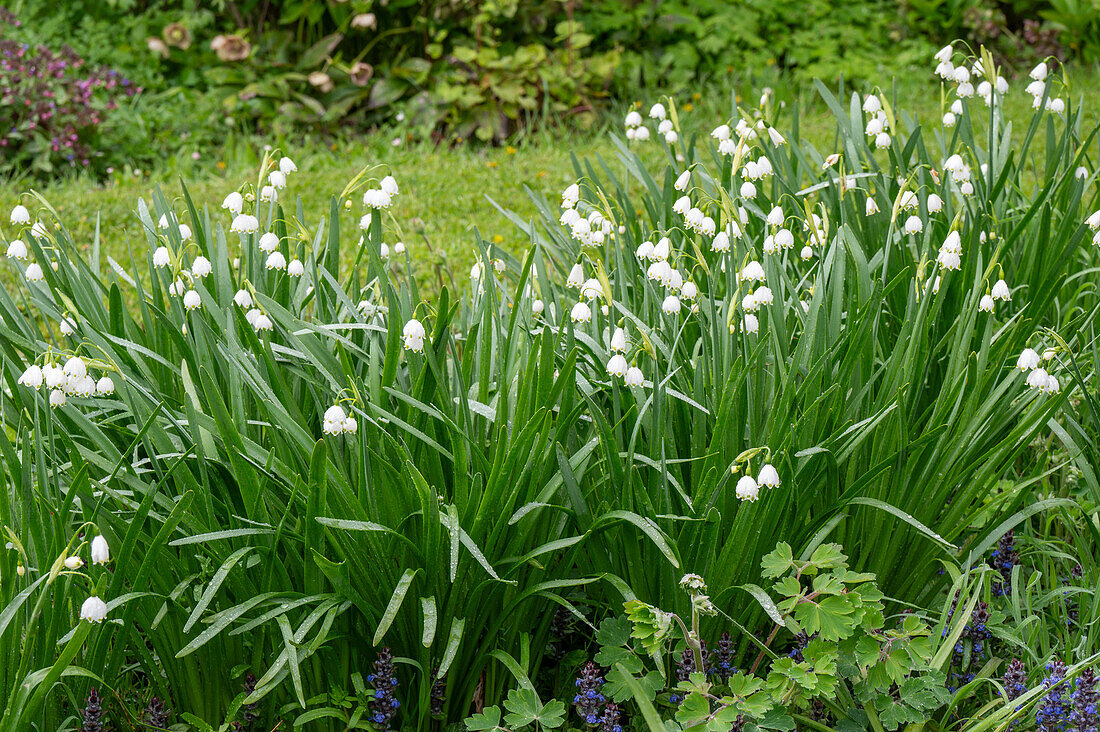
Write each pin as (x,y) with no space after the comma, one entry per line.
(852,663)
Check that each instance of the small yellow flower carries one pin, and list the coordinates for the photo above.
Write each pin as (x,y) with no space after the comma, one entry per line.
(492,163)
(688,106)
(696,96)
(498,239)
(540,174)
(221,165)
(510,150)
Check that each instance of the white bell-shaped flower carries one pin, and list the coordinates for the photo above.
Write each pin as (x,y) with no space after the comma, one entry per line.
(747,488)
(617,366)
(413,335)
(17,249)
(1028,360)
(101,553)
(769,476)
(581,313)
(234,203)
(32,377)
(94,610)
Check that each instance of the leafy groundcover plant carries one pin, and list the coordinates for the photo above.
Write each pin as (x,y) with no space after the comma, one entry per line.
(309,495)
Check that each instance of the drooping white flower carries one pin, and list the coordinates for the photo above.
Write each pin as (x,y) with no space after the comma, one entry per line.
(748,190)
(39,230)
(377,198)
(617,366)
(576,276)
(633,119)
(1056,105)
(287,166)
(769,476)
(1028,360)
(721,132)
(201,267)
(747,488)
(581,313)
(949,119)
(1001,291)
(74,562)
(872,104)
(913,225)
(1039,73)
(277,179)
(275,260)
(94,610)
(101,553)
(570,196)
(268,194)
(662,249)
(389,185)
(17,249)
(618,341)
(1036,89)
(1038,379)
(591,289)
(935,203)
(53,375)
(191,300)
(763,295)
(775,216)
(634,377)
(105,386)
(333,422)
(671,305)
(32,377)
(776,138)
(75,368)
(537,308)
(161,257)
(749,303)
(727,147)
(753,272)
(57,398)
(413,335)
(682,181)
(807,253)
(245,224)
(949,260)
(20,216)
(295,268)
(784,239)
(234,203)
(243,299)
(986,304)
(34,272)
(689,290)
(1053,387)
(657,111)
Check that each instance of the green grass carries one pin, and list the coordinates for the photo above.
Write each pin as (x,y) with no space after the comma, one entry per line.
(448,189)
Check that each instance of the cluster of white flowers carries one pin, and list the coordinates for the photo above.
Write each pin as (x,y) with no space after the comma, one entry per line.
(664,124)
(18,250)
(960,173)
(748,488)
(382,196)
(591,230)
(1037,376)
(617,365)
(878,124)
(635,127)
(337,421)
(70,380)
(1000,291)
